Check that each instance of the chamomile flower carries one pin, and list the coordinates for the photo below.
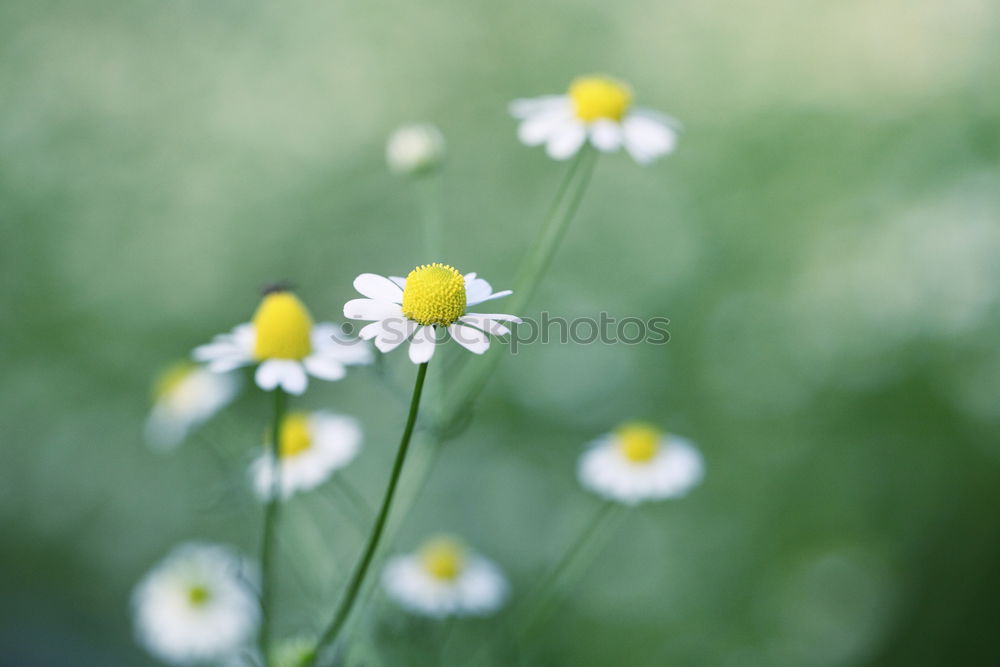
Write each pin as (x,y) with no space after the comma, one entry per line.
(638,462)
(445,578)
(184,396)
(430,297)
(197,606)
(598,109)
(285,344)
(311,447)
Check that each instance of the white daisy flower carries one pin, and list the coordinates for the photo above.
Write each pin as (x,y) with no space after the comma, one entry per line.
(415,149)
(312,446)
(198,605)
(432,296)
(286,344)
(444,578)
(638,462)
(184,396)
(597,108)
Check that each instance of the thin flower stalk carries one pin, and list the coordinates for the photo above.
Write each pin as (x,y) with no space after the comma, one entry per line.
(268,540)
(333,630)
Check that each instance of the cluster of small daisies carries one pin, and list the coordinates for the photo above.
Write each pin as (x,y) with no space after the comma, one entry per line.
(201,603)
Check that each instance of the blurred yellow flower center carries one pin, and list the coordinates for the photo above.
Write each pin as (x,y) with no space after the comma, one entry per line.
(198,595)
(638,442)
(443,558)
(434,294)
(295,436)
(596,97)
(171,378)
(282,325)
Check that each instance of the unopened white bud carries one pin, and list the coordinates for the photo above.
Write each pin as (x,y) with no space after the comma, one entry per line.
(414,149)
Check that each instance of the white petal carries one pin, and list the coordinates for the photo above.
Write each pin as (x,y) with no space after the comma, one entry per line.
(525,107)
(566,141)
(399,280)
(324,367)
(370,309)
(394,332)
(378,287)
(495,295)
(476,289)
(495,316)
(422,347)
(486,324)
(537,129)
(606,135)
(473,340)
(286,373)
(329,341)
(647,138)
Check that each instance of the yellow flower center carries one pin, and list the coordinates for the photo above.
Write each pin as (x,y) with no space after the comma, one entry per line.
(443,558)
(171,378)
(198,596)
(638,442)
(295,436)
(434,294)
(596,97)
(282,325)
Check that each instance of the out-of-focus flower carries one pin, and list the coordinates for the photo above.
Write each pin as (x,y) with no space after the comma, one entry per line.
(197,606)
(312,446)
(286,344)
(597,108)
(639,462)
(433,295)
(415,149)
(445,578)
(184,396)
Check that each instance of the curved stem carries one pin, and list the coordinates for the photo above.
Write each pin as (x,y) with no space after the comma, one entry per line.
(546,593)
(267,545)
(473,377)
(358,577)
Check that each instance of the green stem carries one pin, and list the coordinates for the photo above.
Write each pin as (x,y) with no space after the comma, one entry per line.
(473,377)
(332,631)
(268,541)
(547,591)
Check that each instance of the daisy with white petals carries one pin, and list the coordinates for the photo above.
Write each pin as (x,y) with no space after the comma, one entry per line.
(286,344)
(197,606)
(638,462)
(184,396)
(444,578)
(311,447)
(432,296)
(598,109)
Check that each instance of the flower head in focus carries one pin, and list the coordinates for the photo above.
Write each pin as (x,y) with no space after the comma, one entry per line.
(282,339)
(312,446)
(638,462)
(184,396)
(415,149)
(445,578)
(196,606)
(599,109)
(431,296)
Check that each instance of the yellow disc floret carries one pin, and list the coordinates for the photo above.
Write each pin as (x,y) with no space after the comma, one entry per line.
(282,325)
(198,596)
(597,97)
(638,442)
(295,436)
(443,558)
(171,378)
(434,294)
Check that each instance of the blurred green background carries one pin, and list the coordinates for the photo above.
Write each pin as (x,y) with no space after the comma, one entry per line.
(826,243)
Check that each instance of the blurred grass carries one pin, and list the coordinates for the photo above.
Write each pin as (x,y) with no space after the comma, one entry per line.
(825,243)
